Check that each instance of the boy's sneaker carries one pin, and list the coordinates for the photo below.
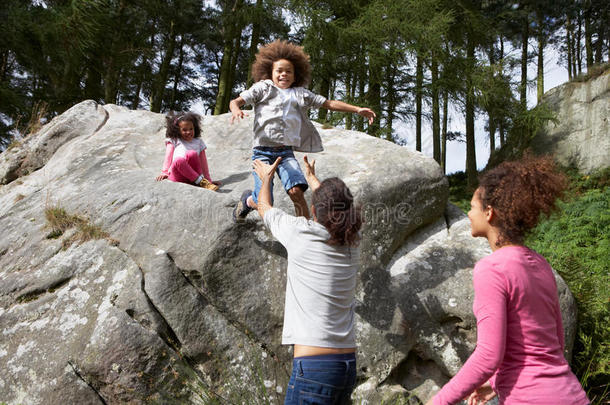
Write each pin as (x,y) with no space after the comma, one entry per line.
(208,185)
(241,210)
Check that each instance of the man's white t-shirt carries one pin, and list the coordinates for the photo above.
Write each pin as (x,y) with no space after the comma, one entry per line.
(320,285)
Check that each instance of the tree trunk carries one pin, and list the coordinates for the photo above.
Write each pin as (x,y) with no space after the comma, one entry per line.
(444,131)
(232,24)
(501,123)
(578,47)
(162,76)
(391,99)
(600,42)
(523,85)
(177,75)
(569,47)
(436,135)
(233,68)
(361,85)
(374,96)
(492,122)
(93,83)
(350,97)
(588,35)
(541,45)
(324,91)
(471,160)
(419,83)
(255,39)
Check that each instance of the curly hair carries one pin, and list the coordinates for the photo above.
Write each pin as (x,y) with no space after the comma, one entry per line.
(173,119)
(334,208)
(262,67)
(519,191)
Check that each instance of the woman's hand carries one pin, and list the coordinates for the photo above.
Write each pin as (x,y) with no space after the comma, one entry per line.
(310,168)
(367,113)
(310,173)
(162,176)
(481,395)
(265,171)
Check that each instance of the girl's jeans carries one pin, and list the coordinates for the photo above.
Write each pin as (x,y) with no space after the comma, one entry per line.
(186,169)
(322,380)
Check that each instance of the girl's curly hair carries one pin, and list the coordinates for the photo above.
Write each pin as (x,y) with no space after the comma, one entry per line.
(334,207)
(262,67)
(519,191)
(173,119)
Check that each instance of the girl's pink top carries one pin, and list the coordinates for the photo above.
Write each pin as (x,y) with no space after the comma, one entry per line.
(519,335)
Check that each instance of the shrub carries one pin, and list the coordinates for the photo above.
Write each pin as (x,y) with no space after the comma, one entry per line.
(60,221)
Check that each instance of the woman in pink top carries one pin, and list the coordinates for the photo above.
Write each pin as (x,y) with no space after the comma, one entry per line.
(519,352)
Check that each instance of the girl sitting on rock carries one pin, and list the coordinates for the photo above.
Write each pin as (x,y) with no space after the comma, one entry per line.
(185,159)
(323,262)
(519,352)
(281,123)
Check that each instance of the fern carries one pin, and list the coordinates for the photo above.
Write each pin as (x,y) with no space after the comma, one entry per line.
(576,242)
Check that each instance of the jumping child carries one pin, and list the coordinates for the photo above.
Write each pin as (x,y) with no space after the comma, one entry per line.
(185,159)
(281,123)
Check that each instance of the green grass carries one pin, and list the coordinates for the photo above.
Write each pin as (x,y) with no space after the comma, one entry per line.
(59,220)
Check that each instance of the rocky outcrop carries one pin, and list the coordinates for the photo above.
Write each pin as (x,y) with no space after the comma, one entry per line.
(181,305)
(581,136)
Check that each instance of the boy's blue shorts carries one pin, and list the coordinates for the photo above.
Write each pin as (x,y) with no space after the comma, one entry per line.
(289,170)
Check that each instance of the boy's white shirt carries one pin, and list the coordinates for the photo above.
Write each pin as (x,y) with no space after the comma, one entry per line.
(292,117)
(269,125)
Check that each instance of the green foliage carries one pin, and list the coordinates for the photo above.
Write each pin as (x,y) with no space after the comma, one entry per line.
(459,192)
(524,126)
(576,242)
(593,72)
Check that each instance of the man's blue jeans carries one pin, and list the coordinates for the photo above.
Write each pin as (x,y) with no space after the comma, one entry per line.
(322,380)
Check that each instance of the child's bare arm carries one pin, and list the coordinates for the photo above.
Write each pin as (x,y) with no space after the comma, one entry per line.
(336,105)
(235,107)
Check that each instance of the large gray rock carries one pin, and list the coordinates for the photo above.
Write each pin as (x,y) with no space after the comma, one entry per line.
(581,138)
(179,304)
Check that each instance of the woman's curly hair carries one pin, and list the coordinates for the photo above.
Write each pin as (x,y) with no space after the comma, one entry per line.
(334,208)
(262,67)
(519,191)
(173,119)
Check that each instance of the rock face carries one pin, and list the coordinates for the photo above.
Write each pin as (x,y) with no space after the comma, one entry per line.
(581,138)
(181,305)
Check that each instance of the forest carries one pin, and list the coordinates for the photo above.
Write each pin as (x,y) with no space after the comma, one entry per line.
(409,60)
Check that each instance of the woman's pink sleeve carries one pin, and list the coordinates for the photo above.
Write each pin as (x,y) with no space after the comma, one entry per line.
(167,161)
(204,166)
(490,310)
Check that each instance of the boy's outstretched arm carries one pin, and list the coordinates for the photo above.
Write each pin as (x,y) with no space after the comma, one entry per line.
(336,105)
(235,107)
